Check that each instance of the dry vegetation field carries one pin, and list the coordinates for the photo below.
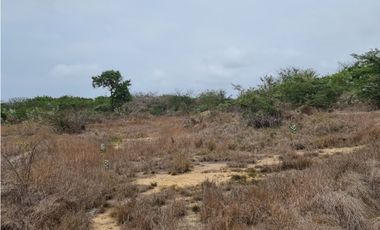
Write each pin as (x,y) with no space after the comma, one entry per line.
(205,171)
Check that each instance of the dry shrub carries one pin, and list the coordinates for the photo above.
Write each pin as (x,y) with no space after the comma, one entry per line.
(331,140)
(59,212)
(308,110)
(366,135)
(68,122)
(143,213)
(340,209)
(59,185)
(293,161)
(242,207)
(176,209)
(180,163)
(212,200)
(198,143)
(211,145)
(339,192)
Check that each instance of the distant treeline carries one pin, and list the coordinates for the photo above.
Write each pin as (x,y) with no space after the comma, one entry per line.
(262,106)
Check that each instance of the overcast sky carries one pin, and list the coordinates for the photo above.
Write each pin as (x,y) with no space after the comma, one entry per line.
(53,47)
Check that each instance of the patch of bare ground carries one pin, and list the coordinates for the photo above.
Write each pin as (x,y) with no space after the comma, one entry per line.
(331,151)
(221,172)
(217,172)
(105,221)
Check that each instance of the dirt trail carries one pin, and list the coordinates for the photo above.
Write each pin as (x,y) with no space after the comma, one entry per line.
(190,221)
(104,221)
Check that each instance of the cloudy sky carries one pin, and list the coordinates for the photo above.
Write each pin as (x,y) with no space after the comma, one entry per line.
(53,47)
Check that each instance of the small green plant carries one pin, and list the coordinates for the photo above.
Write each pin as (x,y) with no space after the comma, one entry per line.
(293,128)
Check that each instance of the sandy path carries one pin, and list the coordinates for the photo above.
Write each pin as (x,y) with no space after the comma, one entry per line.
(104,221)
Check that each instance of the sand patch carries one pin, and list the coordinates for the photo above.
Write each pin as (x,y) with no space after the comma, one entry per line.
(104,221)
(333,151)
(190,221)
(267,161)
(216,172)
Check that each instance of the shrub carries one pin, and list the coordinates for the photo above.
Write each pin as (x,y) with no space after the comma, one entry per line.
(365,73)
(259,110)
(179,102)
(303,87)
(68,121)
(295,162)
(180,164)
(211,100)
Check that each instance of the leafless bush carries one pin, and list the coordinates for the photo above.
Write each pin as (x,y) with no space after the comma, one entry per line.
(20,166)
(293,161)
(145,214)
(180,163)
(68,122)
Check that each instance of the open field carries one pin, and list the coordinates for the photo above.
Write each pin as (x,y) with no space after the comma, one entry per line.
(204,171)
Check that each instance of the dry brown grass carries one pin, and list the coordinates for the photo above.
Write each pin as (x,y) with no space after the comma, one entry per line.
(294,161)
(341,192)
(150,213)
(180,163)
(66,178)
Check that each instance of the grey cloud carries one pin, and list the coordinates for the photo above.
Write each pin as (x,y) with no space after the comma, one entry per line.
(53,47)
(74,71)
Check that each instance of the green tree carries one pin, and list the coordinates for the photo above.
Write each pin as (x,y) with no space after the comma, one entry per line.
(365,74)
(304,87)
(113,81)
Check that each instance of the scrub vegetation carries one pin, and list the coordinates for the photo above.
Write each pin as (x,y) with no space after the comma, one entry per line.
(299,151)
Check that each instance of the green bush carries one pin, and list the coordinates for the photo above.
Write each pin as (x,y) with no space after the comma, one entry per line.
(365,75)
(304,87)
(179,102)
(166,104)
(211,99)
(259,109)
(37,108)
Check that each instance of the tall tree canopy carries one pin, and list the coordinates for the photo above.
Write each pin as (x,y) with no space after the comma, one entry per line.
(113,81)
